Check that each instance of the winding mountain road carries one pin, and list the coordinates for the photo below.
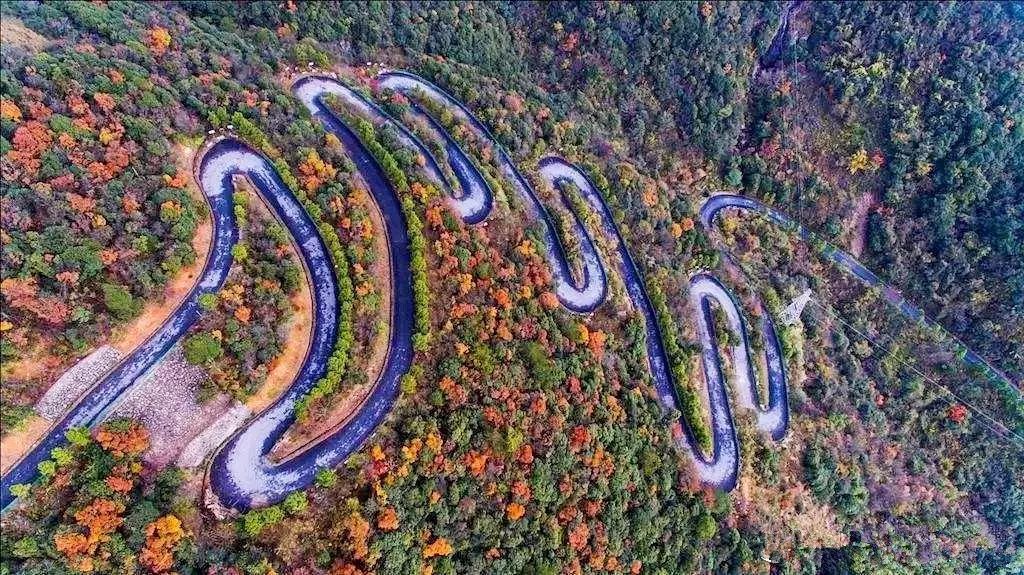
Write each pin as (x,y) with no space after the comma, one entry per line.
(716,204)
(720,468)
(241,474)
(104,394)
(579,296)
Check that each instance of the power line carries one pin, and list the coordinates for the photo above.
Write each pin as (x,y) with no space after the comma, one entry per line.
(907,364)
(795,90)
(892,340)
(791,74)
(923,315)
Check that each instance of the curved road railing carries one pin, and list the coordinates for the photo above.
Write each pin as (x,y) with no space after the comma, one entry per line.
(720,468)
(579,296)
(242,475)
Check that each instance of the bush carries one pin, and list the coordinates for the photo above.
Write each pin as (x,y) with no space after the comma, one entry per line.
(295,503)
(326,478)
(202,348)
(208,301)
(820,470)
(240,252)
(12,416)
(119,302)
(78,436)
(165,487)
(706,527)
(255,521)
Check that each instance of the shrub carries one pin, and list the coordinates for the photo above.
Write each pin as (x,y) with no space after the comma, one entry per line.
(202,348)
(295,503)
(208,301)
(706,527)
(240,252)
(119,302)
(326,478)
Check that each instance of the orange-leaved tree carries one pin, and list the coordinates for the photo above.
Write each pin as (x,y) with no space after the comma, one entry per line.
(162,536)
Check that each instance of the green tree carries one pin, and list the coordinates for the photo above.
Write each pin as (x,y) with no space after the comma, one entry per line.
(119,302)
(202,348)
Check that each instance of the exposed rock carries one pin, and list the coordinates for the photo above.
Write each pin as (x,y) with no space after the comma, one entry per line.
(201,445)
(166,402)
(80,377)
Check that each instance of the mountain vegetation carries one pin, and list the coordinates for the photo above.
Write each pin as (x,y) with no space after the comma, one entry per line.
(529,439)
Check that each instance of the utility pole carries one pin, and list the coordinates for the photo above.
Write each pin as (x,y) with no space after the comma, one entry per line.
(791,314)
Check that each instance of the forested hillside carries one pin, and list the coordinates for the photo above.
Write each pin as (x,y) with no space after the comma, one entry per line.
(526,437)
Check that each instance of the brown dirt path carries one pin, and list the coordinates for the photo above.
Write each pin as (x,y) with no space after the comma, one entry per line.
(284,368)
(17,442)
(859,223)
(127,337)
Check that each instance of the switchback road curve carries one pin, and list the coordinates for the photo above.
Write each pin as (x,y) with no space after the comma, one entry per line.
(241,474)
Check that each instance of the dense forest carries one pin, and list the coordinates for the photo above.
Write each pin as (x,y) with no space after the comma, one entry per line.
(529,439)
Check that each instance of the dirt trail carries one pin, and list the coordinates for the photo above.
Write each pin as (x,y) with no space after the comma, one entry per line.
(16,443)
(37,364)
(859,228)
(127,337)
(284,368)
(15,33)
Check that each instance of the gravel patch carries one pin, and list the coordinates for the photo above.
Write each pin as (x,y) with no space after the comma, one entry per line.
(80,377)
(165,401)
(201,446)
